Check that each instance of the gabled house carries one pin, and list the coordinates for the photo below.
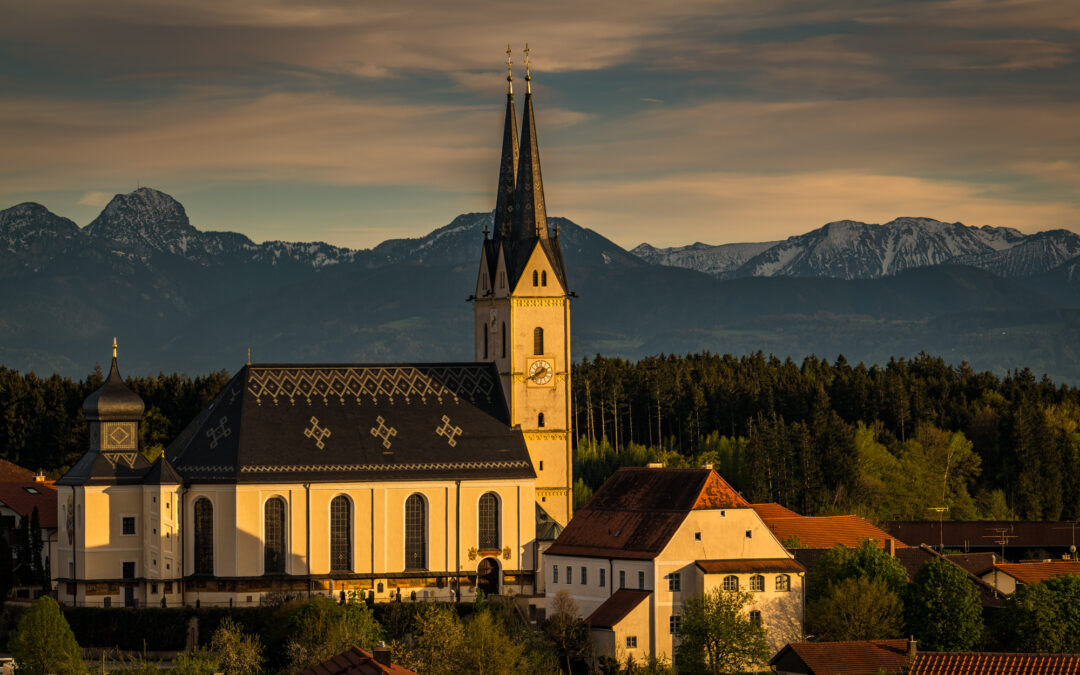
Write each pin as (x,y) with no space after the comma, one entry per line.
(649,539)
(1007,576)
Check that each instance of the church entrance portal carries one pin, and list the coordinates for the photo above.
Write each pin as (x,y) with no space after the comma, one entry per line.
(487,576)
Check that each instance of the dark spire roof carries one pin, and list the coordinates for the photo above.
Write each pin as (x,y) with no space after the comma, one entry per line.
(504,201)
(162,473)
(113,400)
(530,215)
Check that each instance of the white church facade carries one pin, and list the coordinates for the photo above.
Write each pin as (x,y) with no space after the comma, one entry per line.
(399,481)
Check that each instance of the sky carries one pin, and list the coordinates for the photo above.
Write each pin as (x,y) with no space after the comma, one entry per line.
(666,122)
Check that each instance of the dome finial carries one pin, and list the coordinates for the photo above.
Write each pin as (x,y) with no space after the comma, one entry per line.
(528,77)
(509,72)
(114,348)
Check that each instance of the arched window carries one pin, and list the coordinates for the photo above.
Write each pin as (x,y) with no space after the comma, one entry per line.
(503,340)
(543,278)
(274,536)
(538,340)
(485,342)
(783,582)
(536,278)
(757,583)
(489,522)
(415,533)
(204,536)
(340,534)
(731,583)
(540,420)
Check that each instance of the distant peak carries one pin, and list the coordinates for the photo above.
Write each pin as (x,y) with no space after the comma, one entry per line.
(142,210)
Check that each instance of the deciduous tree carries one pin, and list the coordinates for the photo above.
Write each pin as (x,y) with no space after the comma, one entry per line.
(42,642)
(856,608)
(718,636)
(941,607)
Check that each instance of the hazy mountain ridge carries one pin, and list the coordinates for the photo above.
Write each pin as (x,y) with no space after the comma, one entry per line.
(848,249)
(188,300)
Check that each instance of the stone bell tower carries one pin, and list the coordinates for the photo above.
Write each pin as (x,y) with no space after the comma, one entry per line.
(522,310)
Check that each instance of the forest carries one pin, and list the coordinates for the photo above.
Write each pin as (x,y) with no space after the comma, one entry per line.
(887,442)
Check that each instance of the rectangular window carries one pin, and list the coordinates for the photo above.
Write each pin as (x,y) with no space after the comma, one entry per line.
(168,587)
(674,623)
(674,582)
(129,570)
(569,574)
(554,574)
(127,525)
(631,642)
(697,536)
(641,580)
(622,578)
(153,589)
(603,574)
(584,575)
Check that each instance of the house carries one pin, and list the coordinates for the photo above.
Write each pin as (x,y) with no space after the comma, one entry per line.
(862,657)
(993,663)
(21,492)
(1005,577)
(1012,540)
(356,661)
(870,657)
(397,481)
(649,539)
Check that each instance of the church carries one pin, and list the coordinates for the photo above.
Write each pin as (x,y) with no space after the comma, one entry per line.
(398,481)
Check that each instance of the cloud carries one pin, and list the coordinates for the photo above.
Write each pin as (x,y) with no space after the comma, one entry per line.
(94,199)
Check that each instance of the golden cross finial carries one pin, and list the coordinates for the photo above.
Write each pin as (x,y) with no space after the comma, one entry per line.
(528,77)
(509,72)
(114,348)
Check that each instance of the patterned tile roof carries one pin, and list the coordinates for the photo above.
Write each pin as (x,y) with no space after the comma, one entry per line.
(990,663)
(827,531)
(354,422)
(863,657)
(744,565)
(356,661)
(637,510)
(1034,572)
(616,607)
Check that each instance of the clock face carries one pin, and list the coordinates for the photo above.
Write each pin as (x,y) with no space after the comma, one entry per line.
(541,372)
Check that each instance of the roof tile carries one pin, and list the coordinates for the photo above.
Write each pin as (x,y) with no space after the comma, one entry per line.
(614,609)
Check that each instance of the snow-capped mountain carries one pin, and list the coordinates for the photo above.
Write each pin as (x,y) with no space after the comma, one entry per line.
(719,261)
(850,249)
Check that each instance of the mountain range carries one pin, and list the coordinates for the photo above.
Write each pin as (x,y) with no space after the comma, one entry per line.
(183,299)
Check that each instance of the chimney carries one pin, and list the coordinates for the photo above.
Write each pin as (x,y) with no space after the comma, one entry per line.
(39,477)
(707,466)
(654,465)
(382,654)
(912,649)
(890,546)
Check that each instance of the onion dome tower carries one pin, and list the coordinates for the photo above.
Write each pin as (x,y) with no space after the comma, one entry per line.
(112,414)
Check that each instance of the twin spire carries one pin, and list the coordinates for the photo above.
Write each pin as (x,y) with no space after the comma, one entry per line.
(519,205)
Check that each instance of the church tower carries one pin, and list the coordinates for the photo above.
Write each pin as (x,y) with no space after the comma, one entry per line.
(522,310)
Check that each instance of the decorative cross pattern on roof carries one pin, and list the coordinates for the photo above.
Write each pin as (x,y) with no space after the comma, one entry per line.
(119,435)
(216,433)
(126,458)
(368,384)
(448,430)
(381,430)
(317,433)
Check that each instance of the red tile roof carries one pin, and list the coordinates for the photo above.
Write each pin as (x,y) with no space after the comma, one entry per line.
(988,663)
(13,473)
(750,565)
(828,531)
(355,661)
(17,498)
(774,510)
(615,608)
(1034,572)
(863,657)
(637,510)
